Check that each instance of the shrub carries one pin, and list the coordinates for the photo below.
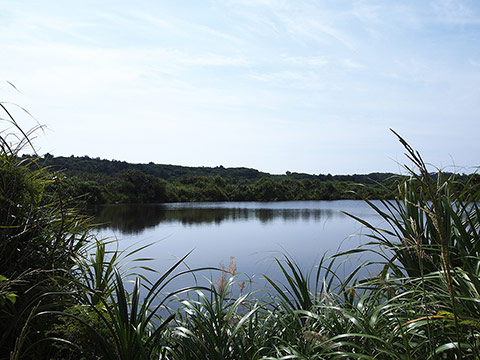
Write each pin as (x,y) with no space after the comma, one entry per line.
(40,236)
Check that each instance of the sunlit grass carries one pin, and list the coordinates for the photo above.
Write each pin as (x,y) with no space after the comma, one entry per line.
(63,295)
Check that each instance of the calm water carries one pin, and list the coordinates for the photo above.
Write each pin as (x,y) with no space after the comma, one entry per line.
(254,233)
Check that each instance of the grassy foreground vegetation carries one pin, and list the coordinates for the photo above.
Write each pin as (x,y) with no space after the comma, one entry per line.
(63,295)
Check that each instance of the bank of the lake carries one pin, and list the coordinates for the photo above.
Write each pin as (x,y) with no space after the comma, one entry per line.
(107,181)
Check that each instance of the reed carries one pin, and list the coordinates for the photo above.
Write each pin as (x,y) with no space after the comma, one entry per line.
(79,300)
(215,325)
(40,235)
(423,302)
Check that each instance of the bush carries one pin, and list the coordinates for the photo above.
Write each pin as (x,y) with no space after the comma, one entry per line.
(40,237)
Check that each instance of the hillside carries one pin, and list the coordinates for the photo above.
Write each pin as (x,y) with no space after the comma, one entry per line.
(110,181)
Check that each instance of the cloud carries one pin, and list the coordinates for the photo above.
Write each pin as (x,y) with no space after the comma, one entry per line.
(134,73)
(367,13)
(255,3)
(280,76)
(475,63)
(210,59)
(306,60)
(455,12)
(351,64)
(299,20)
(179,26)
(313,24)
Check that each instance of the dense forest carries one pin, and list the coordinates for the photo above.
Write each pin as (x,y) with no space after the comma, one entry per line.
(112,181)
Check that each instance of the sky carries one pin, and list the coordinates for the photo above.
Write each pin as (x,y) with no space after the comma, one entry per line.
(276,85)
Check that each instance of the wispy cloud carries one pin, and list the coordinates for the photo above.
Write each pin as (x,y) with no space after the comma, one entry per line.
(456,12)
(351,64)
(475,63)
(299,21)
(320,69)
(306,60)
(367,13)
(176,58)
(179,26)
(301,27)
(280,76)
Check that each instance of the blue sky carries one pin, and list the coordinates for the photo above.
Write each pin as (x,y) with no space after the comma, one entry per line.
(277,85)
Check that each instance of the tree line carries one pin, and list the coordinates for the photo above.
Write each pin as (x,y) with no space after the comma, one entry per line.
(111,181)
(102,181)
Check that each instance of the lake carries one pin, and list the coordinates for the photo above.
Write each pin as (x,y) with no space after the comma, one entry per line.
(254,233)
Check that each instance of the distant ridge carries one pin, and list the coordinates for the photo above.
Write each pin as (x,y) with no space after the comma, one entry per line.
(74,164)
(112,181)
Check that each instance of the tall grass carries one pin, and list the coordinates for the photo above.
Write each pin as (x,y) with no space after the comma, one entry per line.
(424,301)
(63,295)
(40,235)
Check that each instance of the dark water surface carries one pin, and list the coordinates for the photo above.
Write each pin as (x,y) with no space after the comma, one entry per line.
(252,232)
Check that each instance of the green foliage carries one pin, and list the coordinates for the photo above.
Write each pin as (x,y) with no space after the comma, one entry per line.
(64,296)
(74,328)
(40,236)
(421,299)
(218,326)
(6,297)
(104,181)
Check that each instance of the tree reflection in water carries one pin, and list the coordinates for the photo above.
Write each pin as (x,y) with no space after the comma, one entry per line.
(134,218)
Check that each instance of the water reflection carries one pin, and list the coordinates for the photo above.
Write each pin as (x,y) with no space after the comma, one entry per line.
(252,232)
(133,219)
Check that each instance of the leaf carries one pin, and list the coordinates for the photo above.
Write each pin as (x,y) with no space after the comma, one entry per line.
(12,298)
